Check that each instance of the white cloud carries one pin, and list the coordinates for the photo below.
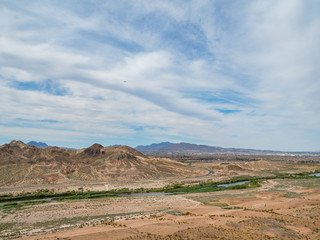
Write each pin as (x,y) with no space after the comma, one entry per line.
(127,77)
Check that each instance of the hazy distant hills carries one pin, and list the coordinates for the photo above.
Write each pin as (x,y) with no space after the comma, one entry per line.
(188,148)
(23,164)
(38,144)
(44,145)
(154,146)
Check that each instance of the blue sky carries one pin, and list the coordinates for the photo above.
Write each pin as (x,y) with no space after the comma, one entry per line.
(225,73)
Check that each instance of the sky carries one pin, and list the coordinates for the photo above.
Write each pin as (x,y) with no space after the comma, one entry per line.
(238,73)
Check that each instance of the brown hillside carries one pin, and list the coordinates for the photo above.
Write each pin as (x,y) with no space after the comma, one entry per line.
(21,164)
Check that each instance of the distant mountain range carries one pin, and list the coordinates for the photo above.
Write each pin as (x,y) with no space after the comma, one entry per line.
(188,148)
(38,144)
(44,145)
(154,146)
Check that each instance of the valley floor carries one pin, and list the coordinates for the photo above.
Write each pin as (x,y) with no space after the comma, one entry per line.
(279,209)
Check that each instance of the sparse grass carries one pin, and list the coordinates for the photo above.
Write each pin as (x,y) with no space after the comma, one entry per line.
(70,195)
(214,199)
(10,230)
(292,195)
(15,206)
(310,182)
(217,204)
(69,221)
(286,181)
(176,188)
(214,186)
(6,226)
(274,172)
(75,195)
(249,227)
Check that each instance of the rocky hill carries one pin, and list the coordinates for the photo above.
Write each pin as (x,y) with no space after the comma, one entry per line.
(22,164)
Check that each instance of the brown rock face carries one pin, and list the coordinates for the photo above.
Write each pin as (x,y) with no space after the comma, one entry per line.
(23,164)
(94,150)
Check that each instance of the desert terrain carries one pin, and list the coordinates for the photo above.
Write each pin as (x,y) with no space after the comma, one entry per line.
(25,165)
(283,205)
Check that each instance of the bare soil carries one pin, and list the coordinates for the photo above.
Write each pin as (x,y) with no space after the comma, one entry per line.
(279,209)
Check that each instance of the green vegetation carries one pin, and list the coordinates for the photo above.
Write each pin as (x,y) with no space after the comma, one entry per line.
(217,204)
(19,205)
(213,186)
(5,226)
(44,195)
(28,199)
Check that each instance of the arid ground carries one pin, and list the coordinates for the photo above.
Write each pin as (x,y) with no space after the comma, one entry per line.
(279,209)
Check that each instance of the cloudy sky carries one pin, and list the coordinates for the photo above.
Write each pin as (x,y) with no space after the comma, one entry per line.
(224,73)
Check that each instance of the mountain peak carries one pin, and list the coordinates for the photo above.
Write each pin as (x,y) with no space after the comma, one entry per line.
(38,144)
(126,149)
(95,149)
(18,143)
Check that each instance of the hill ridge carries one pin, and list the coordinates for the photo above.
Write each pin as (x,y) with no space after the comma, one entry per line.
(24,164)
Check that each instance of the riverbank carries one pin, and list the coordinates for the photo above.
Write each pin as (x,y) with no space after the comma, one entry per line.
(9,201)
(280,209)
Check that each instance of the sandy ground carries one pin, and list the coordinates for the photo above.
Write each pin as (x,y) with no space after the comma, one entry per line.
(280,209)
(222,171)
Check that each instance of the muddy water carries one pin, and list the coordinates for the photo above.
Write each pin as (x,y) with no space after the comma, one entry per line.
(233,184)
(145,194)
(315,175)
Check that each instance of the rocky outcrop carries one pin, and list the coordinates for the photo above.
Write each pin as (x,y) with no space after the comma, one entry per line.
(24,164)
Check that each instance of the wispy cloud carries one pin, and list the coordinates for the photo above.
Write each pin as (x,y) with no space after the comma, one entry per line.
(234,74)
